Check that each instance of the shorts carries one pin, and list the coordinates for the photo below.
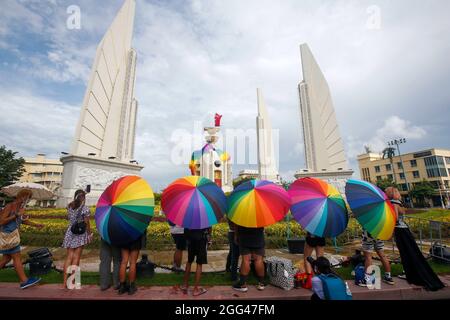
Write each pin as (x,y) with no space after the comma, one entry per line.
(313,241)
(248,250)
(369,244)
(134,245)
(197,248)
(180,241)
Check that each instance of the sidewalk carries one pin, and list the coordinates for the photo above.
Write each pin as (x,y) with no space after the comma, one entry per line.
(400,291)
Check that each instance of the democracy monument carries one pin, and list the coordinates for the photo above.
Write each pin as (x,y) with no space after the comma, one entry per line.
(324,150)
(103,147)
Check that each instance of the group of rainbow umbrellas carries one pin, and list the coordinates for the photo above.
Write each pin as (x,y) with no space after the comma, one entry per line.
(126,207)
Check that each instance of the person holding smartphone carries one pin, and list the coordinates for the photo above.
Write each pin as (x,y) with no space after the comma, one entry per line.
(78,232)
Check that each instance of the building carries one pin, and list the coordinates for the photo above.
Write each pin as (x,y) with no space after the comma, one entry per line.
(103,147)
(324,150)
(246,175)
(47,172)
(211,162)
(267,167)
(432,165)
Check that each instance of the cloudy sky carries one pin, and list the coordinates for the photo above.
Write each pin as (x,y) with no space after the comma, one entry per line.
(387,64)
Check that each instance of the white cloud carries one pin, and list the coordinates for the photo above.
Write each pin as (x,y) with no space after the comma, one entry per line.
(394,128)
(199,57)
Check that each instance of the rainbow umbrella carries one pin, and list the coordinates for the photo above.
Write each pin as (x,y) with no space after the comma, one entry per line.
(258,203)
(318,207)
(371,208)
(194,202)
(124,210)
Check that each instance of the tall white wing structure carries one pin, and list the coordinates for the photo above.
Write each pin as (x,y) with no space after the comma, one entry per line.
(266,152)
(103,146)
(106,126)
(324,150)
(323,143)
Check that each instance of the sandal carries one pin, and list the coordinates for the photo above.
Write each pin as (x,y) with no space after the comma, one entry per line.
(199,292)
(184,289)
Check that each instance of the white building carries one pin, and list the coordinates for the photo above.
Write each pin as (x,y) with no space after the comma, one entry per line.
(103,147)
(324,150)
(267,166)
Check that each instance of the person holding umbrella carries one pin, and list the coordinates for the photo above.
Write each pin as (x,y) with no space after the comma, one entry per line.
(196,204)
(10,219)
(416,269)
(254,205)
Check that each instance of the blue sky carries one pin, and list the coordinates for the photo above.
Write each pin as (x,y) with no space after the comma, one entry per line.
(196,58)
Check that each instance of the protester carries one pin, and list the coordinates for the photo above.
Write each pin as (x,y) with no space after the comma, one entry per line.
(179,239)
(108,254)
(312,243)
(130,254)
(369,245)
(11,217)
(78,232)
(251,247)
(416,268)
(197,243)
(233,253)
(326,284)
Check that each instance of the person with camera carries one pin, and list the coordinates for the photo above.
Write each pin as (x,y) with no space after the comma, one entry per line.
(11,217)
(326,284)
(78,232)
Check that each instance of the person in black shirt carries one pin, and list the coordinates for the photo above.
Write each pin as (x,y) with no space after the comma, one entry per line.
(251,247)
(197,242)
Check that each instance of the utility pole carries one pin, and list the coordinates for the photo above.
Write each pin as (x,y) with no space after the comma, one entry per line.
(397,143)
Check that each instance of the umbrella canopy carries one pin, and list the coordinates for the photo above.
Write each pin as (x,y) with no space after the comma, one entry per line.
(194,202)
(258,203)
(124,210)
(318,207)
(371,208)
(39,191)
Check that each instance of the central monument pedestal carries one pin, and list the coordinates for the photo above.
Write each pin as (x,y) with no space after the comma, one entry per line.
(79,172)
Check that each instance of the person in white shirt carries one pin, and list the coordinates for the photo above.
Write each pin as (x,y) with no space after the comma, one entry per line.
(177,233)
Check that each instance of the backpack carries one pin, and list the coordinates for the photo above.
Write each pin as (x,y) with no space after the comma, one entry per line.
(334,288)
(281,272)
(360,273)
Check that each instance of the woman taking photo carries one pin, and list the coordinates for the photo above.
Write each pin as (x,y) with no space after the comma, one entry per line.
(78,232)
(10,219)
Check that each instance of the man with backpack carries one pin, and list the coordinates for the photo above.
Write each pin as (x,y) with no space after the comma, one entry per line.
(326,284)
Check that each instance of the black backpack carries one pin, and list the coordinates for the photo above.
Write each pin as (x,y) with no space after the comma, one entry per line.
(40,261)
(145,268)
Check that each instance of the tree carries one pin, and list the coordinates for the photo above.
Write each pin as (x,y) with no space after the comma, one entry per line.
(285,184)
(421,191)
(384,183)
(11,168)
(237,183)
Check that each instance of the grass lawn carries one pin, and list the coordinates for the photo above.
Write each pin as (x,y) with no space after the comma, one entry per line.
(434,214)
(159,279)
(208,279)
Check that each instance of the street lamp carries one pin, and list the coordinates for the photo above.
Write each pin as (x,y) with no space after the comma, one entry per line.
(397,143)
